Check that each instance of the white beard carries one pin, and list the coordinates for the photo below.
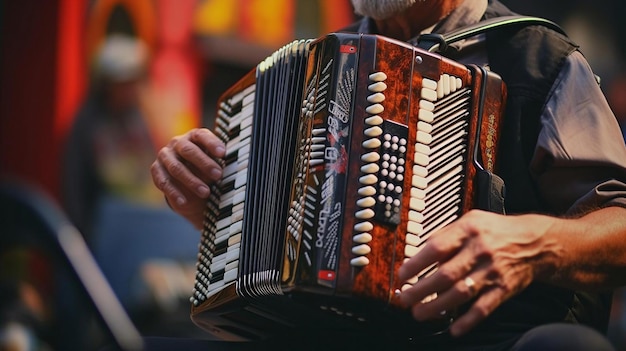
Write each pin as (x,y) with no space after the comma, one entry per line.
(381,9)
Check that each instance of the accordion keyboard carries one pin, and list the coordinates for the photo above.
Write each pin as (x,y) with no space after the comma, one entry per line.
(438,164)
(218,257)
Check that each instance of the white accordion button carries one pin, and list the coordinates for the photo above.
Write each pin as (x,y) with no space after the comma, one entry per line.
(359,261)
(373,131)
(377,87)
(374,120)
(366,202)
(378,77)
(371,143)
(367,191)
(363,227)
(362,238)
(361,250)
(370,168)
(366,213)
(370,157)
(374,109)
(368,179)
(376,98)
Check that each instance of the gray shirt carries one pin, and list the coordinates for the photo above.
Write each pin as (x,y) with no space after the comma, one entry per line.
(580,157)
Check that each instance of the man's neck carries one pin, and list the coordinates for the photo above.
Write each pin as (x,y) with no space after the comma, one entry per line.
(420,16)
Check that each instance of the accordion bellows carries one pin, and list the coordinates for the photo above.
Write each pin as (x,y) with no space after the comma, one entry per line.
(344,154)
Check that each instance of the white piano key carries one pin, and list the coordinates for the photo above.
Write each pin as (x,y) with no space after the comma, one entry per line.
(429,95)
(414,228)
(429,84)
(413,240)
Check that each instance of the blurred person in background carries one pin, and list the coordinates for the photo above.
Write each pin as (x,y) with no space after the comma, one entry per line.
(107,189)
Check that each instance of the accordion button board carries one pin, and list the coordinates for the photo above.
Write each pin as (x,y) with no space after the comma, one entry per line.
(344,154)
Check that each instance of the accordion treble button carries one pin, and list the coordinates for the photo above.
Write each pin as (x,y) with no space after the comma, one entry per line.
(363,227)
(377,77)
(364,214)
(362,249)
(370,168)
(367,191)
(374,109)
(371,143)
(362,238)
(377,87)
(373,131)
(366,202)
(369,179)
(359,261)
(374,120)
(376,98)
(370,157)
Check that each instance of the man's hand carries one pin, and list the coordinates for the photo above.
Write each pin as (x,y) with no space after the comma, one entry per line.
(184,168)
(484,258)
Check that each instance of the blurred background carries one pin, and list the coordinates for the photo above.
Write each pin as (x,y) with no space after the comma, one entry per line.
(90,89)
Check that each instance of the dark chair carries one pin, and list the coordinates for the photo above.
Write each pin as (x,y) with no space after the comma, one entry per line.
(50,285)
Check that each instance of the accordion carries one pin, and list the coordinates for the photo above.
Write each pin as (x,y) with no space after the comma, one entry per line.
(343,155)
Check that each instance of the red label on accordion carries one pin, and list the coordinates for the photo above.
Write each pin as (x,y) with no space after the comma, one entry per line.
(347,49)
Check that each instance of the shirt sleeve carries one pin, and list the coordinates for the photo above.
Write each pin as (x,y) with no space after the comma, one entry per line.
(580,159)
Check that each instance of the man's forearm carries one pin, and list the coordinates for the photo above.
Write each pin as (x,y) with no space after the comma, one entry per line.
(592,250)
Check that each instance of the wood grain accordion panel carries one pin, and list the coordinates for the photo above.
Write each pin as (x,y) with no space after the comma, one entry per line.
(344,154)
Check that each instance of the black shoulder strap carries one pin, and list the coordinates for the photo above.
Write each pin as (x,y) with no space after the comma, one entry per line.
(439,42)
